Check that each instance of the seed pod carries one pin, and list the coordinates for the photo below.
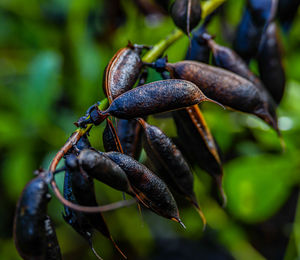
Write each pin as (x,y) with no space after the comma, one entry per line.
(83,189)
(122,71)
(148,186)
(199,50)
(77,220)
(110,138)
(169,163)
(105,170)
(129,133)
(53,250)
(248,37)
(29,222)
(257,15)
(198,144)
(83,143)
(228,59)
(227,88)
(287,11)
(186,14)
(270,65)
(262,11)
(156,97)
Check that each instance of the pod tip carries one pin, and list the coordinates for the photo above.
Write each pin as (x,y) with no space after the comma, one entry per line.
(93,249)
(221,190)
(213,101)
(178,220)
(181,223)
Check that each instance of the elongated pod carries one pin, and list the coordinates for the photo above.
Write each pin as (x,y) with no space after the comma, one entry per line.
(148,186)
(129,133)
(270,64)
(100,167)
(77,220)
(110,138)
(30,234)
(83,189)
(262,11)
(227,88)
(248,37)
(169,163)
(198,51)
(186,14)
(156,97)
(53,249)
(198,145)
(163,152)
(122,71)
(228,59)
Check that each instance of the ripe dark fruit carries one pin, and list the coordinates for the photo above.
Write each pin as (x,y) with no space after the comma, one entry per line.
(186,14)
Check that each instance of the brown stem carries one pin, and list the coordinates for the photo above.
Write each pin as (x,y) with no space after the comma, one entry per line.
(74,138)
(108,207)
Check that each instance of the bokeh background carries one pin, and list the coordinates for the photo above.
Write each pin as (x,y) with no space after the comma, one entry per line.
(52,57)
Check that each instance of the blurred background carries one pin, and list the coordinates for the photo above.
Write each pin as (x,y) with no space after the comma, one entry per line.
(52,57)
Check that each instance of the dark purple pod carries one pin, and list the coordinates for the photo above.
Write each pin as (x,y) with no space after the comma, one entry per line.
(29,222)
(227,88)
(110,138)
(287,11)
(161,151)
(228,59)
(77,220)
(198,145)
(148,186)
(122,71)
(247,37)
(169,163)
(270,65)
(83,143)
(83,190)
(129,133)
(256,17)
(156,97)
(186,14)
(198,51)
(84,193)
(262,11)
(53,249)
(100,167)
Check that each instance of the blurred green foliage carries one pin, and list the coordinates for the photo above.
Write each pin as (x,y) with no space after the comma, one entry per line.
(53,54)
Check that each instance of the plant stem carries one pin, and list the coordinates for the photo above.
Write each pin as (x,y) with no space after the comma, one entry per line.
(209,6)
(159,48)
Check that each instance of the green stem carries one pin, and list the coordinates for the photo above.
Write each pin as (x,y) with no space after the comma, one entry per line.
(159,48)
(209,6)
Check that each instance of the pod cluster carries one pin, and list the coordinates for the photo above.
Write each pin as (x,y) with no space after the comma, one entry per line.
(227,81)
